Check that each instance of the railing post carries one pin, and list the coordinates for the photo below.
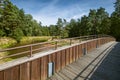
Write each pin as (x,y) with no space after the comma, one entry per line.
(70,41)
(30,50)
(56,45)
(80,40)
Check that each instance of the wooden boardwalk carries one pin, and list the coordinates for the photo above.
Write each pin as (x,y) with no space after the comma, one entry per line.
(93,66)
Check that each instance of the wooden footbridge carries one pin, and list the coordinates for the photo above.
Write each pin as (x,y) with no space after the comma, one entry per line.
(82,58)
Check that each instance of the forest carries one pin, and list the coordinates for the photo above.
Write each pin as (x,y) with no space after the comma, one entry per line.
(15,23)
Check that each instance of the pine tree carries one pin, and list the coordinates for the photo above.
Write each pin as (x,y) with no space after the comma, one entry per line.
(115,21)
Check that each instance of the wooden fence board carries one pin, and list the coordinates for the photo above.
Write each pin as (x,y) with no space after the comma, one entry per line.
(35,69)
(73,53)
(67,56)
(71,58)
(25,71)
(63,58)
(44,67)
(1,75)
(58,61)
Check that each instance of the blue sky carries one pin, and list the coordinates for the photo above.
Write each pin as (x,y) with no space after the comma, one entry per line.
(48,11)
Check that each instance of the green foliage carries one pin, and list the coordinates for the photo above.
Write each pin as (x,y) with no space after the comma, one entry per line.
(29,40)
(6,42)
(17,34)
(115,28)
(1,33)
(115,21)
(16,24)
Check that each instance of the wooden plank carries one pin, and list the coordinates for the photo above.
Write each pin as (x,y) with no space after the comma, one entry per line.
(7,74)
(63,59)
(58,61)
(53,57)
(88,46)
(1,75)
(44,67)
(58,77)
(35,69)
(82,45)
(50,58)
(93,44)
(63,76)
(80,51)
(71,59)
(11,73)
(77,52)
(68,74)
(67,56)
(16,73)
(54,60)
(73,53)
(85,46)
(25,71)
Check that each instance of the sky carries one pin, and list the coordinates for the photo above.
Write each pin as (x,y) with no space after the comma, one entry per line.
(48,11)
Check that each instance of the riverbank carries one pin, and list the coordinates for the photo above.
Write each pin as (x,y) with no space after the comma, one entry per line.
(7,42)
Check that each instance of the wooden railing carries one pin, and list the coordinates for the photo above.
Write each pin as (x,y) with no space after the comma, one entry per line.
(38,47)
(36,66)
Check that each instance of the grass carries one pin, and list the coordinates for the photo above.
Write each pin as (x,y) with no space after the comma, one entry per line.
(35,39)
(6,42)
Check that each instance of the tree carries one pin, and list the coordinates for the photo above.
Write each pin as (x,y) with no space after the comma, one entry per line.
(59,27)
(92,22)
(73,28)
(53,30)
(105,26)
(1,18)
(13,21)
(117,7)
(45,31)
(17,34)
(85,26)
(115,21)
(102,21)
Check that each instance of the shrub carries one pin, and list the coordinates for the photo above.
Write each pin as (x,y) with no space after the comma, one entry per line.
(29,40)
(17,34)
(6,42)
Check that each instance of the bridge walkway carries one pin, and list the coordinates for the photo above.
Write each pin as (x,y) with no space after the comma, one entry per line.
(102,63)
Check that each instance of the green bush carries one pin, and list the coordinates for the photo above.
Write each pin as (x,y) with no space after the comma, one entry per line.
(1,33)
(6,42)
(17,34)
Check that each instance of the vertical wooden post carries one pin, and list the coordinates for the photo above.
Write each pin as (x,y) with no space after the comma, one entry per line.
(30,50)
(70,41)
(56,45)
(79,40)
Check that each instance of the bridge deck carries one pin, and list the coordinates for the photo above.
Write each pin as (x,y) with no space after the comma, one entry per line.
(102,63)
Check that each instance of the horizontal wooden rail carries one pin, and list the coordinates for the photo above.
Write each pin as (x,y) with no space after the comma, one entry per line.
(53,44)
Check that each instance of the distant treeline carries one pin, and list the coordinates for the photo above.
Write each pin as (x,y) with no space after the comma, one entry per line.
(16,24)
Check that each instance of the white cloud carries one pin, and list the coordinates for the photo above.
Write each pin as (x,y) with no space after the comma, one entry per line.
(49,14)
(49,11)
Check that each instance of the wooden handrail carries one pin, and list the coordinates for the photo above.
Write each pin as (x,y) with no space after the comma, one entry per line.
(55,45)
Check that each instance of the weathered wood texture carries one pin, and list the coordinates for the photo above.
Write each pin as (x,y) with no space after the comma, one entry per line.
(38,68)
